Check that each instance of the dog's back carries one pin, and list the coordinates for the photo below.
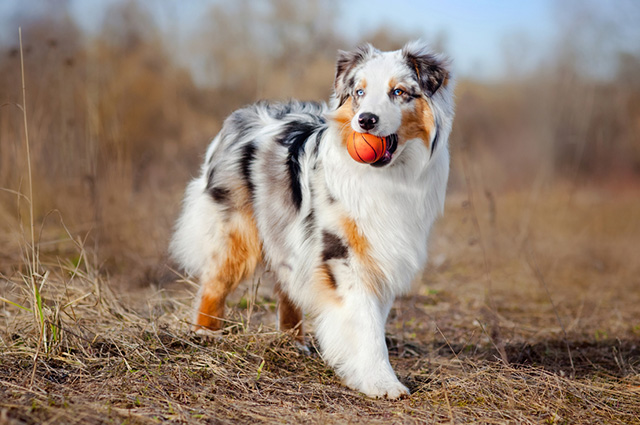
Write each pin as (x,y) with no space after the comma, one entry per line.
(257,146)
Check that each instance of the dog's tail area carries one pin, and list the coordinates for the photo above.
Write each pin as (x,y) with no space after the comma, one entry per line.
(197,230)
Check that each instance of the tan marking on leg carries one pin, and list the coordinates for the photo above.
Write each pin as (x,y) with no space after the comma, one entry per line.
(289,315)
(374,278)
(356,240)
(325,285)
(240,258)
(417,123)
(211,309)
(326,277)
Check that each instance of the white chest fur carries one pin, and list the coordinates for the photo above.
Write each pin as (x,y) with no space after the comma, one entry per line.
(394,207)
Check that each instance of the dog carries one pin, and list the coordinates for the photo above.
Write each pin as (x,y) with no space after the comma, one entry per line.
(343,238)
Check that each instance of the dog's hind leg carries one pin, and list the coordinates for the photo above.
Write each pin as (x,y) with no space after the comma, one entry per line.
(236,259)
(289,315)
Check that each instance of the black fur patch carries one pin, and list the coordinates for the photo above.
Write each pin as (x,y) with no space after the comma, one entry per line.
(435,140)
(316,149)
(345,64)
(333,247)
(220,194)
(294,137)
(429,71)
(351,83)
(310,223)
(310,219)
(210,174)
(248,156)
(241,123)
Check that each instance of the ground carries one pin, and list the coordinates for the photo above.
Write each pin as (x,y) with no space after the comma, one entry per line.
(526,313)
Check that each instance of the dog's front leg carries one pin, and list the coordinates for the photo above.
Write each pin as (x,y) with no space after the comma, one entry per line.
(351,336)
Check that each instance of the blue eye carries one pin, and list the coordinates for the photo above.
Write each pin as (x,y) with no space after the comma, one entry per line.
(398,92)
(359,92)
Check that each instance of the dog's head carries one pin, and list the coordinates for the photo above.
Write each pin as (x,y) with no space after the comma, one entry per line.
(389,94)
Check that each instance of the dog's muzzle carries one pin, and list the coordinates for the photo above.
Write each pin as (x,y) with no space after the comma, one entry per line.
(392,145)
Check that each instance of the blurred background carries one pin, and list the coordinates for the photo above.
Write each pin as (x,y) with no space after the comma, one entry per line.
(124,96)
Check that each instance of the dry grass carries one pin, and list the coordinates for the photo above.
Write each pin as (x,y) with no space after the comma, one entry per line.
(478,341)
(527,313)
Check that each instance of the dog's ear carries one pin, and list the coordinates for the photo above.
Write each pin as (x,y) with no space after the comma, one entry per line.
(345,66)
(431,71)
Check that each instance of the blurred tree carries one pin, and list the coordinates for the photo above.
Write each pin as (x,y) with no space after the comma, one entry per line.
(266,50)
(587,103)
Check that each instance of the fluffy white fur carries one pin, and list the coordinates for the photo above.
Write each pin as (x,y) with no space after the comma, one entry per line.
(343,238)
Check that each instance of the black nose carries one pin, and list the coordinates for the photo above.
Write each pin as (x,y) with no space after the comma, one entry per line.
(367,120)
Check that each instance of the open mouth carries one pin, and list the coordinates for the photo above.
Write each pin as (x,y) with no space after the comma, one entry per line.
(392,145)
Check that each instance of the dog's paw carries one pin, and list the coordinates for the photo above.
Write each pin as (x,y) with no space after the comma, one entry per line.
(206,335)
(302,348)
(392,391)
(389,388)
(397,391)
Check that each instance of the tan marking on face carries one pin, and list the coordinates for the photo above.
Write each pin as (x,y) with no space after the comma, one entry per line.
(342,117)
(417,123)
(392,84)
(242,252)
(359,244)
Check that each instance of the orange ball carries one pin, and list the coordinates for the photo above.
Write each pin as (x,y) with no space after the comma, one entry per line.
(365,147)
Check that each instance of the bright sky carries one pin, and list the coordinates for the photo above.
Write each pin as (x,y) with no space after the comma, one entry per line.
(476,32)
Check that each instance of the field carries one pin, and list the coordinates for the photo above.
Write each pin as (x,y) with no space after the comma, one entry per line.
(527,313)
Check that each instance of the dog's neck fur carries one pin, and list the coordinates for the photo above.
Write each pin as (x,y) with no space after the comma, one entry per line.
(394,205)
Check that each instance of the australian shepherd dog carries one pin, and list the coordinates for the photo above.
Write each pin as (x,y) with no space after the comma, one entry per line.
(343,238)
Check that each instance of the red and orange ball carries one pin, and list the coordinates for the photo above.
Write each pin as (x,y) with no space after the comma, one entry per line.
(365,147)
